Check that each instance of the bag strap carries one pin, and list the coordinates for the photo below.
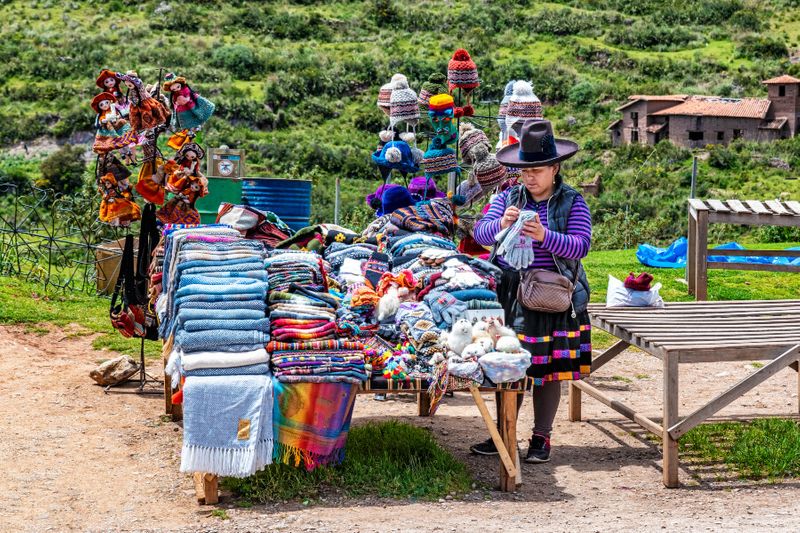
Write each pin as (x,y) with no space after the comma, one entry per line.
(148,240)
(125,276)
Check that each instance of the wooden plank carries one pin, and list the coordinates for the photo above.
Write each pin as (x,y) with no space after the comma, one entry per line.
(754,253)
(737,206)
(609,354)
(508,425)
(753,266)
(718,206)
(167,391)
(574,394)
(706,325)
(505,458)
(677,430)
(626,336)
(777,207)
(720,337)
(793,205)
(199,493)
(423,404)
(757,207)
(623,409)
(729,354)
(753,219)
(796,366)
(701,257)
(671,305)
(670,444)
(697,204)
(211,489)
(691,262)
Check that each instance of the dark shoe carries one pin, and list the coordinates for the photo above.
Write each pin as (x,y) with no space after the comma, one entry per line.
(486,447)
(538,450)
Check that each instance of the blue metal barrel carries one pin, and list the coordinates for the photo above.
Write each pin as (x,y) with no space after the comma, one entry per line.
(289,199)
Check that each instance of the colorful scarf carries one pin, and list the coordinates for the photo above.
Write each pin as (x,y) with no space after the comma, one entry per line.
(311,422)
(313,345)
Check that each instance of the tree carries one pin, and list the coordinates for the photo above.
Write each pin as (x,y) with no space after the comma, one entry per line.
(63,170)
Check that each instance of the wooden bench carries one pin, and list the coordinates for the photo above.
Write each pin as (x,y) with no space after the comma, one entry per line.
(695,332)
(750,213)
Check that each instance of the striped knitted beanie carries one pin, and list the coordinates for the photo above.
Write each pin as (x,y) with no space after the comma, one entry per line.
(501,113)
(522,105)
(489,173)
(385,93)
(436,84)
(469,137)
(439,159)
(461,71)
(403,105)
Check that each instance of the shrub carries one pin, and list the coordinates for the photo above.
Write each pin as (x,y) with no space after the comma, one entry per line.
(238,59)
(383,12)
(63,170)
(651,36)
(623,230)
(584,93)
(746,19)
(722,157)
(758,47)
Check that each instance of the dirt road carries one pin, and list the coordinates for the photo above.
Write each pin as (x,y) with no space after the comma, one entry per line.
(75,459)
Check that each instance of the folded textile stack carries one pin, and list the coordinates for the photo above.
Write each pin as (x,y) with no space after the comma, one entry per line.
(327,361)
(305,269)
(302,314)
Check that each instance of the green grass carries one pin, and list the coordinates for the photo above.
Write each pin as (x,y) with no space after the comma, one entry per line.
(763,449)
(387,459)
(23,302)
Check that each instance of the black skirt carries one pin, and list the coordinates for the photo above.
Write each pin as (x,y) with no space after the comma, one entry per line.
(560,346)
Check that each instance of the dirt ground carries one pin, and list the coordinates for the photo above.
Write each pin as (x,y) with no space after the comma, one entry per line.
(74,458)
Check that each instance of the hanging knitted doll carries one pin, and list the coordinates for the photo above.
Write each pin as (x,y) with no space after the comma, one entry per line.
(187,183)
(185,163)
(110,83)
(150,185)
(442,112)
(190,110)
(145,111)
(117,207)
(113,131)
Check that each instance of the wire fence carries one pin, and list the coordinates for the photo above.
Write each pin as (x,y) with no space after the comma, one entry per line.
(57,240)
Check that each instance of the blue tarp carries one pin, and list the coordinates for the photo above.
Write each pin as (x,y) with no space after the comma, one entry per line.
(674,256)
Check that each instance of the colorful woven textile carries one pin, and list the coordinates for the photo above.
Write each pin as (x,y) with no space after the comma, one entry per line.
(311,422)
(313,346)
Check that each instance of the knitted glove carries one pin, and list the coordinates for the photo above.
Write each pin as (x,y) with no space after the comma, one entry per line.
(516,248)
(445,308)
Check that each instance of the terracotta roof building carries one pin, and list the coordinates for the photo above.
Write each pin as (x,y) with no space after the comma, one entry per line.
(695,121)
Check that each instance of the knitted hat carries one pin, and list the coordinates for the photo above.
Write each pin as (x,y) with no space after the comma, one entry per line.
(501,113)
(171,78)
(461,71)
(439,159)
(394,198)
(397,155)
(190,147)
(385,93)
(99,98)
(522,105)
(441,110)
(403,105)
(104,75)
(370,198)
(425,188)
(436,84)
(488,172)
(469,191)
(469,137)
(440,104)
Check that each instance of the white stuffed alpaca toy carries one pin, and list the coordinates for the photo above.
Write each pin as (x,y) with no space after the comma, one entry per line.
(472,352)
(505,340)
(460,336)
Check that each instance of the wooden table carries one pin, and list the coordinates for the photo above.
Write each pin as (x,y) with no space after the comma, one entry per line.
(695,332)
(750,213)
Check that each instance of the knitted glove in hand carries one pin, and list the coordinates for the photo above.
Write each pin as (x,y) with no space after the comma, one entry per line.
(516,248)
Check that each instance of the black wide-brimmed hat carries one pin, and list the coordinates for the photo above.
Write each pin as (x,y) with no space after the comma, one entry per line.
(537,146)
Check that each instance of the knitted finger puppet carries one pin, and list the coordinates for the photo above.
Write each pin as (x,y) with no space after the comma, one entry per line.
(475,147)
(145,111)
(403,105)
(442,113)
(436,84)
(108,82)
(117,207)
(522,105)
(462,74)
(189,110)
(113,131)
(501,112)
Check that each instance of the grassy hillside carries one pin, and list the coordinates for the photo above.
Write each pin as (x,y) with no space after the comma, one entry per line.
(295,83)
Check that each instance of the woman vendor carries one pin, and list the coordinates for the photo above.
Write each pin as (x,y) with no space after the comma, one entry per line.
(560,343)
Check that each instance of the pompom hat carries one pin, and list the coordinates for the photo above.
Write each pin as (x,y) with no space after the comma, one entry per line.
(394,198)
(403,105)
(385,97)
(436,84)
(461,71)
(469,137)
(522,105)
(439,159)
(397,155)
(501,113)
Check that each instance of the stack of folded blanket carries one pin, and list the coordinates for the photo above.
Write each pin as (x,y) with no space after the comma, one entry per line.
(302,314)
(285,267)
(318,361)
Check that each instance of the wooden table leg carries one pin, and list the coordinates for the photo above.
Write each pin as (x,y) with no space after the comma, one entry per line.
(670,464)
(206,487)
(423,404)
(505,459)
(701,256)
(574,403)
(796,366)
(691,259)
(508,430)
(167,391)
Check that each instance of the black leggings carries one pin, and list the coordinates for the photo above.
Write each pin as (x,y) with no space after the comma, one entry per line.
(545,406)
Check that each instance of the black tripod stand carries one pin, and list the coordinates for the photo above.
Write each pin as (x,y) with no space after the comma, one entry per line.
(147,383)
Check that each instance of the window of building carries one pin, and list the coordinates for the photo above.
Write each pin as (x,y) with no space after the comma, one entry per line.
(695,135)
(737,134)
(634,116)
(634,136)
(781,90)
(720,135)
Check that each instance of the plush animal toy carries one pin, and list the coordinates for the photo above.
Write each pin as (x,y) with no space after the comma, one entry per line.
(460,336)
(472,352)
(505,338)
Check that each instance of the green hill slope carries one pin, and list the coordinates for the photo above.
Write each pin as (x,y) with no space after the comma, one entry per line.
(295,83)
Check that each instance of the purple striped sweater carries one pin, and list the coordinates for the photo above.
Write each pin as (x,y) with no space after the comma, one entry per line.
(574,244)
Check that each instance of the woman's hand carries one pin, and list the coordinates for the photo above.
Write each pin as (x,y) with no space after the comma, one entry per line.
(534,229)
(509,217)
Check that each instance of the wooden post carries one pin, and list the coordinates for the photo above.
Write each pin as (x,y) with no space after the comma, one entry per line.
(337,201)
(574,403)
(701,256)
(691,267)
(206,488)
(508,430)
(423,404)
(670,464)
(796,366)
(505,459)
(167,391)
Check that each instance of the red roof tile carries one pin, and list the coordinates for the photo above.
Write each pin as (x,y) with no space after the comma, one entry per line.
(781,79)
(677,98)
(719,107)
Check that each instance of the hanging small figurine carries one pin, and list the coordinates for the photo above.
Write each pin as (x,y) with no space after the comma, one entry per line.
(190,110)
(187,183)
(113,131)
(117,207)
(145,111)
(443,112)
(150,185)
(110,83)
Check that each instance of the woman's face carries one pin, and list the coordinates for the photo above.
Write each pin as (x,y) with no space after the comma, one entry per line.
(540,180)
(110,82)
(175,87)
